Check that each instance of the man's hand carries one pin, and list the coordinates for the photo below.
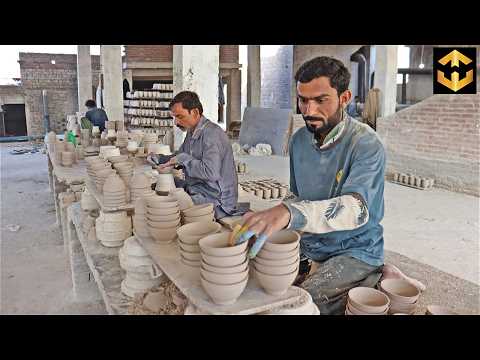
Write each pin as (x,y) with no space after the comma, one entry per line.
(263,224)
(168,165)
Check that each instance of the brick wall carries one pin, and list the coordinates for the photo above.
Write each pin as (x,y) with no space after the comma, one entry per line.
(277,78)
(59,79)
(437,137)
(164,53)
(11,94)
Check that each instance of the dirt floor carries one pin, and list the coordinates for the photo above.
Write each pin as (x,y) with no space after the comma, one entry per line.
(438,245)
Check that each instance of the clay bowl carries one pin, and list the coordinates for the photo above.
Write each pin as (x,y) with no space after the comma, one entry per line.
(224,261)
(277,270)
(115,195)
(217,245)
(193,232)
(223,279)
(368,300)
(439,310)
(190,263)
(401,307)
(275,284)
(270,255)
(226,270)
(163,235)
(224,294)
(171,217)
(188,247)
(161,202)
(282,241)
(163,212)
(192,256)
(284,262)
(164,224)
(202,218)
(399,290)
(354,311)
(198,210)
(117,159)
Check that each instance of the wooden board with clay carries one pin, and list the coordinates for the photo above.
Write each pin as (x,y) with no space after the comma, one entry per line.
(253,300)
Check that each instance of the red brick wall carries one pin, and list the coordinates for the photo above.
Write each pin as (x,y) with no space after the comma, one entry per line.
(164,53)
(438,137)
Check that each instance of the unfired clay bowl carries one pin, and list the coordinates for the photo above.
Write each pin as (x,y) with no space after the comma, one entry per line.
(223,279)
(163,236)
(282,241)
(198,210)
(270,255)
(399,290)
(192,256)
(188,247)
(161,202)
(354,311)
(277,270)
(202,218)
(163,212)
(163,224)
(193,232)
(171,217)
(217,245)
(226,270)
(224,261)
(224,294)
(190,263)
(368,300)
(401,307)
(284,262)
(275,284)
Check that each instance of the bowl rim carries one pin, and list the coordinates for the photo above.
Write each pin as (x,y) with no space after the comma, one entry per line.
(403,298)
(370,308)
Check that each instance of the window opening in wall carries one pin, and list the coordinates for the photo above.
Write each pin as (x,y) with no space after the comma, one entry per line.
(53,62)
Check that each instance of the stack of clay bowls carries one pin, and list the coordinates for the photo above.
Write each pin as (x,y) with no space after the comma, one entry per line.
(276,264)
(224,268)
(67,158)
(106,151)
(100,175)
(79,152)
(140,225)
(58,149)
(184,200)
(188,237)
(117,159)
(403,295)
(114,192)
(149,138)
(51,137)
(367,301)
(125,170)
(122,139)
(198,213)
(165,183)
(88,202)
(163,218)
(140,186)
(113,228)
(139,268)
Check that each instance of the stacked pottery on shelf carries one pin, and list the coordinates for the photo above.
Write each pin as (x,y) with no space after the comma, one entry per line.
(107,150)
(99,171)
(125,170)
(188,238)
(140,186)
(141,272)
(114,192)
(140,225)
(51,137)
(149,138)
(276,264)
(224,268)
(184,200)
(88,202)
(367,301)
(122,139)
(59,147)
(67,158)
(403,295)
(165,183)
(163,218)
(198,213)
(113,228)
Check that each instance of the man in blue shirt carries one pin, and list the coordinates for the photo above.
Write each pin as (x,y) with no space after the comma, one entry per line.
(96,115)
(337,167)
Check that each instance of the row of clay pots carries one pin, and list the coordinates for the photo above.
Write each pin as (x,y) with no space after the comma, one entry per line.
(138,266)
(188,238)
(114,192)
(403,295)
(163,218)
(276,264)
(224,269)
(199,213)
(413,180)
(367,301)
(267,193)
(113,228)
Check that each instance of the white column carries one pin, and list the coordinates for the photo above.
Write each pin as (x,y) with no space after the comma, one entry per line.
(254,77)
(386,77)
(84,76)
(196,68)
(111,62)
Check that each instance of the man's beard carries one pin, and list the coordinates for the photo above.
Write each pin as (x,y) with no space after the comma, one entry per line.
(181,127)
(320,132)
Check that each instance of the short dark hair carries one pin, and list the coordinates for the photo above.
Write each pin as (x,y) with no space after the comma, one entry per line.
(329,67)
(90,103)
(189,101)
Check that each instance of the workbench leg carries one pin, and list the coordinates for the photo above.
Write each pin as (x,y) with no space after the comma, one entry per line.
(84,285)
(50,173)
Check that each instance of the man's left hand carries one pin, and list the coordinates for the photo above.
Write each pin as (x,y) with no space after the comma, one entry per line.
(263,224)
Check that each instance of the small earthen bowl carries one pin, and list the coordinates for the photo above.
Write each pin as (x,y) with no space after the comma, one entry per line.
(368,300)
(277,270)
(226,270)
(224,261)
(282,241)
(223,279)
(275,284)
(166,211)
(401,307)
(188,247)
(193,232)
(192,256)
(161,202)
(267,262)
(198,210)
(354,311)
(202,218)
(399,290)
(190,263)
(224,294)
(271,255)
(163,235)
(163,224)
(217,245)
(171,217)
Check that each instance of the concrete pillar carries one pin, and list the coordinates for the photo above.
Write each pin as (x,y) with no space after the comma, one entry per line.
(234,101)
(196,68)
(84,76)
(111,64)
(254,76)
(386,77)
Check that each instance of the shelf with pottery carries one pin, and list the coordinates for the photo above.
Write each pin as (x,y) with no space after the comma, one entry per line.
(104,265)
(75,174)
(253,299)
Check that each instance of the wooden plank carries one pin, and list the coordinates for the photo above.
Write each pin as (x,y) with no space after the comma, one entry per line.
(104,265)
(253,299)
